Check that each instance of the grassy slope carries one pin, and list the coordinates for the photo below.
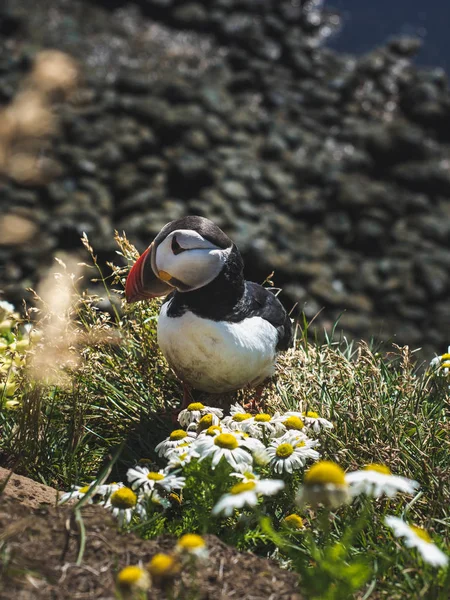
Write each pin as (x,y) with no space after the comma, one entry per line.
(118,384)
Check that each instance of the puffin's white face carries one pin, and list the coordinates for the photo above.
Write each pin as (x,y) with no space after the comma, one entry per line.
(188,261)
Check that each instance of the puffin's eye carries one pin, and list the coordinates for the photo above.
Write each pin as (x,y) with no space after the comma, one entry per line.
(176,248)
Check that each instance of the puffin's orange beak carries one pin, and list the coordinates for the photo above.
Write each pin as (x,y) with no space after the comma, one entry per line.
(134,287)
(142,283)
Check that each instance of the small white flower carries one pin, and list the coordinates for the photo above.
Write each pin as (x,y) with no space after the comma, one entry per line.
(191,544)
(176,438)
(195,411)
(238,416)
(376,480)
(6,307)
(415,537)
(324,483)
(264,426)
(292,421)
(212,431)
(107,489)
(76,493)
(224,445)
(246,493)
(142,477)
(181,456)
(315,422)
(123,503)
(208,420)
(440,365)
(288,454)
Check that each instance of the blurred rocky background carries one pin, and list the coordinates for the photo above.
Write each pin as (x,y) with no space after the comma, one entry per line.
(331,170)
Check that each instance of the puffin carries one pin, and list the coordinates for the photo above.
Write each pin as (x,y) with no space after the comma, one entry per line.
(218,332)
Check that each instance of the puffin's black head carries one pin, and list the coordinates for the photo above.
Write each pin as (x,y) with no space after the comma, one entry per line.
(187,254)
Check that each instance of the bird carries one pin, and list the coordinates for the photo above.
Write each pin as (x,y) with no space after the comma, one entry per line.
(218,332)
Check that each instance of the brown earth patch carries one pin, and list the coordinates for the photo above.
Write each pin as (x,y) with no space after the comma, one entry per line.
(25,490)
(39,549)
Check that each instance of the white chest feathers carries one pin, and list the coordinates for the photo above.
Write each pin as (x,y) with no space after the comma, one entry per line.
(216,356)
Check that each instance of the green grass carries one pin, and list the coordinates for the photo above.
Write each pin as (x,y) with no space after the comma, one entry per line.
(96,380)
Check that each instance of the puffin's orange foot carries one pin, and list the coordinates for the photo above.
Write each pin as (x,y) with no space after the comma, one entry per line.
(256,404)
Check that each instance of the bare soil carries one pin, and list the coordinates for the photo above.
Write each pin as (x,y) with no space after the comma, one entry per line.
(39,545)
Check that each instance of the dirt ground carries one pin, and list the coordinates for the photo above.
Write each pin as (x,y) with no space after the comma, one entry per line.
(39,545)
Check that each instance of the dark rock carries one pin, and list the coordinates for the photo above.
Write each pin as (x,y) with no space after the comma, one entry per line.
(136,83)
(191,14)
(188,174)
(431,177)
(405,45)
(435,279)
(235,191)
(151,164)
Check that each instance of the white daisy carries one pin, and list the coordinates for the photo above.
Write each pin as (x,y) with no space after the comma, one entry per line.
(176,438)
(205,422)
(191,544)
(324,483)
(225,445)
(181,456)
(106,489)
(195,411)
(245,476)
(123,503)
(264,426)
(253,444)
(212,431)
(440,365)
(376,480)
(416,537)
(288,454)
(6,307)
(246,494)
(292,421)
(142,477)
(76,493)
(132,580)
(313,421)
(238,416)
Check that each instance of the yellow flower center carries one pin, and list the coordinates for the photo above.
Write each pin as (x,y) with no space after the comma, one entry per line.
(155,476)
(445,365)
(445,356)
(294,521)
(378,468)
(132,575)
(239,488)
(205,422)
(195,406)
(293,423)
(226,440)
(213,430)
(300,444)
(178,434)
(239,417)
(84,489)
(323,472)
(284,450)
(262,418)
(191,541)
(123,498)
(163,565)
(311,414)
(422,533)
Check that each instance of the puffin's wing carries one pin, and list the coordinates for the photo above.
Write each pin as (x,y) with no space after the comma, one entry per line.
(261,302)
